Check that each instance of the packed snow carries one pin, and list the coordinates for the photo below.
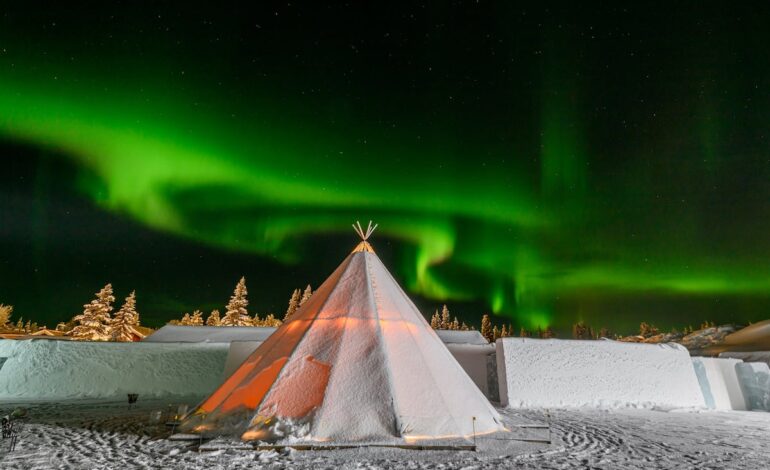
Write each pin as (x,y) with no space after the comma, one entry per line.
(51,369)
(103,434)
(569,373)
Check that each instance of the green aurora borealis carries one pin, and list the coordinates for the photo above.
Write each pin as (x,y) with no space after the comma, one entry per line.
(546,165)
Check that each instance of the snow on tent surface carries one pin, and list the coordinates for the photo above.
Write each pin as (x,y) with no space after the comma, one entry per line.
(357,363)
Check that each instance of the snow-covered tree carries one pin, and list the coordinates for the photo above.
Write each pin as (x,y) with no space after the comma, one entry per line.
(464,327)
(306,295)
(435,321)
(293,304)
(93,323)
(495,333)
(504,332)
(548,333)
(213,319)
(486,329)
(455,325)
(186,320)
(446,322)
(5,315)
(270,320)
(197,318)
(20,324)
(236,314)
(125,321)
(524,333)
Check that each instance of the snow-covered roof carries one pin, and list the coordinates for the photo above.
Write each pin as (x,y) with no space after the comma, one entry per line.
(461,337)
(209,334)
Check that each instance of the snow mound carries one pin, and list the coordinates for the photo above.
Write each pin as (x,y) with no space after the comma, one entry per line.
(49,369)
(553,373)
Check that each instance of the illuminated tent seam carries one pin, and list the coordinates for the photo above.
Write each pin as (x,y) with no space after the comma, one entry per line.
(382,339)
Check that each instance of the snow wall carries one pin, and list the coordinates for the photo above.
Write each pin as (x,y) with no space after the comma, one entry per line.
(51,369)
(754,378)
(719,383)
(552,373)
(755,356)
(209,334)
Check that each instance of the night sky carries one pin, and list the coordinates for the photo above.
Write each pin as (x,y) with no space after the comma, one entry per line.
(550,165)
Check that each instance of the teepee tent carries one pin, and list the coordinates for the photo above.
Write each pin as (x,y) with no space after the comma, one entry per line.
(357,363)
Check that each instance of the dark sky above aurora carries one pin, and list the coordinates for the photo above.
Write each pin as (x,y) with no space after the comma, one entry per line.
(551,165)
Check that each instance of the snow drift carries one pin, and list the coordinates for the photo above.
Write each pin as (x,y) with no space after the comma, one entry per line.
(570,373)
(50,369)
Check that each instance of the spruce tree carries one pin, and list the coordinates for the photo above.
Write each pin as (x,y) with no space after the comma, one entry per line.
(196,319)
(486,329)
(236,314)
(93,323)
(523,333)
(495,333)
(125,321)
(293,304)
(5,315)
(306,295)
(185,321)
(270,320)
(20,324)
(435,321)
(548,333)
(455,325)
(446,322)
(213,319)
(504,332)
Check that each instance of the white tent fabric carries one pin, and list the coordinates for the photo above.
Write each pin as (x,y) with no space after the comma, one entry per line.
(357,363)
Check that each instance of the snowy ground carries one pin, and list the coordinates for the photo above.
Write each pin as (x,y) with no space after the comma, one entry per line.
(102,434)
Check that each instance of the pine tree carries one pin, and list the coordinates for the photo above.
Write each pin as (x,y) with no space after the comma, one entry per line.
(504,332)
(197,318)
(306,295)
(33,327)
(524,333)
(213,319)
(270,320)
(27,326)
(5,315)
(20,324)
(455,324)
(495,333)
(486,329)
(646,330)
(293,304)
(236,314)
(548,333)
(604,332)
(125,321)
(445,320)
(464,327)
(185,320)
(435,321)
(580,331)
(93,323)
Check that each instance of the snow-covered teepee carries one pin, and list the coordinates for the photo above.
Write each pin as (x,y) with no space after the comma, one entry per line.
(356,363)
